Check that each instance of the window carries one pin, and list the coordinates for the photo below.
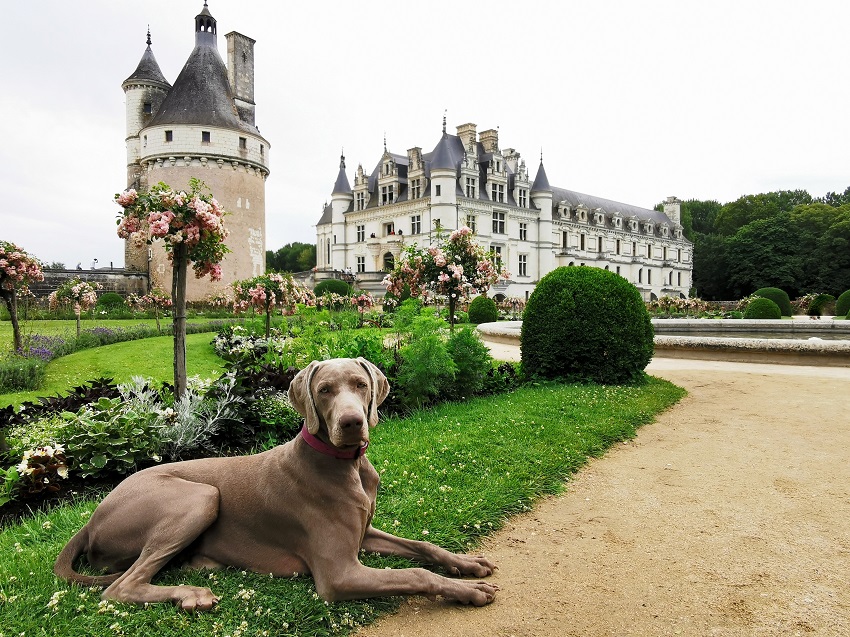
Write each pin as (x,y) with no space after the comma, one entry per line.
(328,251)
(360,201)
(640,275)
(498,223)
(470,187)
(497,256)
(169,136)
(599,246)
(522,196)
(361,233)
(416,224)
(389,262)
(262,150)
(618,269)
(148,109)
(679,255)
(387,194)
(634,248)
(498,192)
(664,253)
(415,188)
(618,246)
(523,232)
(470,223)
(437,190)
(581,242)
(679,277)
(523,265)
(145,142)
(565,238)
(361,264)
(243,143)
(648,275)
(389,228)
(205,137)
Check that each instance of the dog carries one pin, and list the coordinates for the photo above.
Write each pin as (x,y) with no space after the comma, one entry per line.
(304,507)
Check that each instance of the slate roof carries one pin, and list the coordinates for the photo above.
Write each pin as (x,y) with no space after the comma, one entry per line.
(541,181)
(148,70)
(575,198)
(342,185)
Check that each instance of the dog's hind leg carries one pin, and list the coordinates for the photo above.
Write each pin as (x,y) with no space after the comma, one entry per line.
(184,510)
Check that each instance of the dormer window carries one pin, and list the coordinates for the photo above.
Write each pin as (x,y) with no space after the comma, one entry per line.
(665,231)
(522,197)
(415,188)
(498,192)
(599,219)
(387,194)
(360,201)
(470,187)
(633,225)
(648,227)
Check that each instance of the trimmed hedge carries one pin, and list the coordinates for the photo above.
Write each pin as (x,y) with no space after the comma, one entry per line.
(334,286)
(779,297)
(483,309)
(762,308)
(822,304)
(842,304)
(584,324)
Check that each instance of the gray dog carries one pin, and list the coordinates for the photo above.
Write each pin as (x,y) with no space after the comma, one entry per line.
(304,507)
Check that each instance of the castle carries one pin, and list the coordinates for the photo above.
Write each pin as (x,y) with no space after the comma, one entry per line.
(202,126)
(533,227)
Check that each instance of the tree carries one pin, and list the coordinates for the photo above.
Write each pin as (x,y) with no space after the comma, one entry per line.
(268,292)
(702,215)
(735,215)
(456,268)
(156,300)
(17,270)
(293,257)
(191,226)
(81,293)
(835,199)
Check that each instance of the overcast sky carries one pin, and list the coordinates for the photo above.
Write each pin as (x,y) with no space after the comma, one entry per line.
(631,101)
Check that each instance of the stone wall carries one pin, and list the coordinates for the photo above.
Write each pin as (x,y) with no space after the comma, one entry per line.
(112,280)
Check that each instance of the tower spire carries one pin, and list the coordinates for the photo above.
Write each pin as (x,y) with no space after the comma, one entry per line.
(444,120)
(149,35)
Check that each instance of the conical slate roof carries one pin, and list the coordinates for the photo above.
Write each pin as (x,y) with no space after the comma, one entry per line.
(342,185)
(541,181)
(201,95)
(148,70)
(442,156)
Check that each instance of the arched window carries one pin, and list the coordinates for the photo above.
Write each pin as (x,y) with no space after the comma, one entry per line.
(389,262)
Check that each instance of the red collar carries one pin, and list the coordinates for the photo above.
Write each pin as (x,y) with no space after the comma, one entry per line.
(328,450)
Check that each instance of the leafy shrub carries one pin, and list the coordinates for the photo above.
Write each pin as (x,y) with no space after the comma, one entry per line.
(777,296)
(472,359)
(823,304)
(504,377)
(276,418)
(483,309)
(762,308)
(586,324)
(426,365)
(332,286)
(109,300)
(460,316)
(19,373)
(842,304)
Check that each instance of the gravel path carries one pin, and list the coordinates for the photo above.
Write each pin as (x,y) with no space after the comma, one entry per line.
(729,516)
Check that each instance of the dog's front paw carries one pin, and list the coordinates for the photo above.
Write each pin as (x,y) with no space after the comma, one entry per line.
(192,598)
(475,593)
(473,565)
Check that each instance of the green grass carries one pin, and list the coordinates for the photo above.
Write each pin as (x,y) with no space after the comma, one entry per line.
(149,357)
(449,475)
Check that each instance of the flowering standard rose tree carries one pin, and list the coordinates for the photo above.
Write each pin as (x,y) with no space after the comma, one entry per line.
(191,226)
(456,268)
(157,300)
(363,302)
(81,293)
(268,292)
(17,270)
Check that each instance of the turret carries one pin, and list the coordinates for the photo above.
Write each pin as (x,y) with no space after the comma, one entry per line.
(444,181)
(206,28)
(542,196)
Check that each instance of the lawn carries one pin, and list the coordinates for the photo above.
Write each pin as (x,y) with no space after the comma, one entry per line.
(149,357)
(450,475)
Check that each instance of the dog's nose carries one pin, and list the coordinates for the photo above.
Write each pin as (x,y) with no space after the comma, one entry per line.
(351,420)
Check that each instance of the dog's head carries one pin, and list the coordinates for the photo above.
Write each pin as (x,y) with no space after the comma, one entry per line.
(341,396)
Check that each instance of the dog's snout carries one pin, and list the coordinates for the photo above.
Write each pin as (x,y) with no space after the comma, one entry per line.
(351,420)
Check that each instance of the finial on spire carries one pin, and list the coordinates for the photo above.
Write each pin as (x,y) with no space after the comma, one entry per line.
(444,120)
(149,35)
(541,154)
(385,141)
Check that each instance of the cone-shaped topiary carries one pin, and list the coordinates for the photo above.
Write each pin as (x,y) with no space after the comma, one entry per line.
(483,309)
(842,304)
(779,297)
(586,324)
(762,308)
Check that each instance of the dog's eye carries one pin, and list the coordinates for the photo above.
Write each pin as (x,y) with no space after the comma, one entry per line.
(361,385)
(323,390)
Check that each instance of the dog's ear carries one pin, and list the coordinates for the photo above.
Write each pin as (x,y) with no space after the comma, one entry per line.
(380,388)
(302,398)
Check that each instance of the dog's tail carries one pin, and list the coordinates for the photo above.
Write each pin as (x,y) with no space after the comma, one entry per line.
(64,565)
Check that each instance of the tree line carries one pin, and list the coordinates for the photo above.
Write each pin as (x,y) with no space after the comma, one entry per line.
(293,257)
(785,239)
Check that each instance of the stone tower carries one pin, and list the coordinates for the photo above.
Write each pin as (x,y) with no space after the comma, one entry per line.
(203,126)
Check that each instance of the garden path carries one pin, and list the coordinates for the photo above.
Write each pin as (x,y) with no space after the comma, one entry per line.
(729,516)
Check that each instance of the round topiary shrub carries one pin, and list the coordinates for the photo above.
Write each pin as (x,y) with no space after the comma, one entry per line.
(822,304)
(483,309)
(777,296)
(333,286)
(762,308)
(842,304)
(110,299)
(586,324)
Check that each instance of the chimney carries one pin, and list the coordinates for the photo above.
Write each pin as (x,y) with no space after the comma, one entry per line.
(673,209)
(467,134)
(490,140)
(240,74)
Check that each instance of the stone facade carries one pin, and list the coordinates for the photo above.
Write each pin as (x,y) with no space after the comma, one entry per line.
(469,180)
(201,127)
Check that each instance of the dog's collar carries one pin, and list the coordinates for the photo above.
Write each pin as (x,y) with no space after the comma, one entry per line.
(329,450)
